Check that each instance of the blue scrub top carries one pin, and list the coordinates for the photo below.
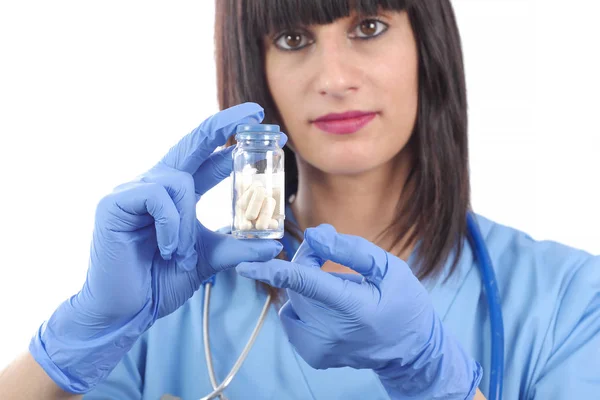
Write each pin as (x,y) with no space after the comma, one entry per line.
(550,301)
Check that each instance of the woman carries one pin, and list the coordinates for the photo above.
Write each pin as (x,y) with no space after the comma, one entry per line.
(372,96)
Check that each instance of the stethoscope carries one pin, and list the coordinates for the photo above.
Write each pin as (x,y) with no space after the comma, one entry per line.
(482,258)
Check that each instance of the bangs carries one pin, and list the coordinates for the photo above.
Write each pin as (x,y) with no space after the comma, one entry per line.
(267,16)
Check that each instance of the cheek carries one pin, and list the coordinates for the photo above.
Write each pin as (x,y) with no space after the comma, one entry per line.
(289,95)
(285,85)
(397,84)
(396,79)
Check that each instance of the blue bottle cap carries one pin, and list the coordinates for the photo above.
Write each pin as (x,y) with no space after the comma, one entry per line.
(257,128)
(257,132)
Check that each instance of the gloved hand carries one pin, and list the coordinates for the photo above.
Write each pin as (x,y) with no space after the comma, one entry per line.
(149,254)
(382,319)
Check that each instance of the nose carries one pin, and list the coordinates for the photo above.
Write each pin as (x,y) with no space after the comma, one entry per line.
(337,74)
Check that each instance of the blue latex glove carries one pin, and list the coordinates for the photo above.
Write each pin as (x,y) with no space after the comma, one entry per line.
(149,254)
(382,319)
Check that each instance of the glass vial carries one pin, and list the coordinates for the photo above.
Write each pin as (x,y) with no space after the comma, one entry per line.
(258,183)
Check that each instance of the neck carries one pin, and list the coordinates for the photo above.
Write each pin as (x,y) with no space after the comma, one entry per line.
(364,204)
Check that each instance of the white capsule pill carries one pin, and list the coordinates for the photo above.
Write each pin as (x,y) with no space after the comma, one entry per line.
(278,202)
(245,198)
(248,170)
(266,212)
(237,220)
(264,180)
(238,185)
(273,224)
(255,204)
(245,225)
(247,177)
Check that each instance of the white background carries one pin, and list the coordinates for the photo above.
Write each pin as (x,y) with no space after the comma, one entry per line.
(93,93)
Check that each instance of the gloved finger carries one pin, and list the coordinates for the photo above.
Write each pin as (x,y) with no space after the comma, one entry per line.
(356,278)
(300,334)
(290,320)
(307,281)
(352,251)
(222,252)
(306,255)
(283,139)
(214,170)
(140,199)
(180,187)
(198,145)
(218,166)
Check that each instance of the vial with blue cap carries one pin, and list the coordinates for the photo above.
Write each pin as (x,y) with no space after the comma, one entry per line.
(258,183)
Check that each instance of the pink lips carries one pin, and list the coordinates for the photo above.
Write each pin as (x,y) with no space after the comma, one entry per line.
(344,123)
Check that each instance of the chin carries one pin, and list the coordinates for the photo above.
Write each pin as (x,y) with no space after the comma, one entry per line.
(345,164)
(351,157)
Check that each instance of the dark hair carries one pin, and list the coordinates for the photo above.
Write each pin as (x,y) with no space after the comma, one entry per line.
(436,197)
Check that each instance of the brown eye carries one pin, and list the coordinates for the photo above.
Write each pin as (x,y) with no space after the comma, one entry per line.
(292,41)
(369,28)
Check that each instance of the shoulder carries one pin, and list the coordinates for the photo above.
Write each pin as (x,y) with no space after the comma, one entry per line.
(541,280)
(551,310)
(516,252)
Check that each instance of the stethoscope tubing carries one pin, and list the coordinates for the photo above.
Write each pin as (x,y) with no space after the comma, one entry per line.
(490,284)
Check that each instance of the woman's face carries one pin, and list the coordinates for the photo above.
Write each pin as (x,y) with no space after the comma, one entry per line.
(347,91)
